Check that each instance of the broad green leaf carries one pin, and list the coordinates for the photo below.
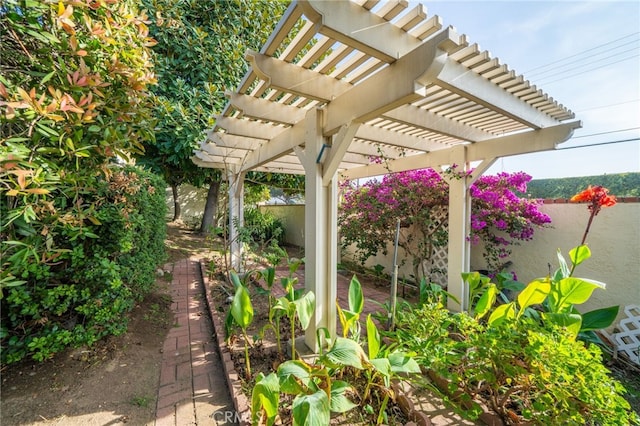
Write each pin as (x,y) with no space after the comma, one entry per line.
(599,318)
(346,352)
(579,254)
(356,299)
(571,322)
(241,307)
(403,363)
(291,370)
(572,291)
(486,301)
(513,285)
(373,338)
(502,313)
(383,366)
(265,397)
(534,293)
(472,279)
(339,402)
(305,307)
(311,410)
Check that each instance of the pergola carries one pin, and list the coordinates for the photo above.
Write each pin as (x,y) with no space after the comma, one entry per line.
(340,82)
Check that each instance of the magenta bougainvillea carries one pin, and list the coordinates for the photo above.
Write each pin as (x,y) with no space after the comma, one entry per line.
(501,215)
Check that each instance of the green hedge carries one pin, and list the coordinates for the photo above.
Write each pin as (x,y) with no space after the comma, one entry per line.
(98,266)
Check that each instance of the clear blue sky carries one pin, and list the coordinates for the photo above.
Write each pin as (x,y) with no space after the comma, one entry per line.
(584,54)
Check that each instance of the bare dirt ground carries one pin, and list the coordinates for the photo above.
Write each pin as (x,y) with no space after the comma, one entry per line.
(113,382)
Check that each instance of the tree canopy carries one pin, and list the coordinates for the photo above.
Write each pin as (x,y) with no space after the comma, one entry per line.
(199,55)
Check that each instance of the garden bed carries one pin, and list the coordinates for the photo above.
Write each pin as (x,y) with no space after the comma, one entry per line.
(265,358)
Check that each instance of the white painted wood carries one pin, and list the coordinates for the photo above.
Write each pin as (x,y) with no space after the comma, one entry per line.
(320,232)
(236,216)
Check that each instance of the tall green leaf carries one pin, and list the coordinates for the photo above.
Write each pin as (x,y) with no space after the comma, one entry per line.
(265,397)
(486,301)
(373,338)
(579,254)
(241,307)
(534,293)
(311,410)
(502,313)
(570,291)
(305,307)
(356,299)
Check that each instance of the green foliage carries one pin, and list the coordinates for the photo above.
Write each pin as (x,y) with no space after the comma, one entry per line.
(199,55)
(524,362)
(73,100)
(622,185)
(242,314)
(72,88)
(556,295)
(349,318)
(523,370)
(79,292)
(262,227)
(320,388)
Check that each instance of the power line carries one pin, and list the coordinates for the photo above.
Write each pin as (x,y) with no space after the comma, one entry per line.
(580,53)
(609,105)
(599,144)
(607,133)
(591,56)
(589,70)
(595,61)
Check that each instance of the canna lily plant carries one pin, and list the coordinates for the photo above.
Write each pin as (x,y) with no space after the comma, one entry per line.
(558,293)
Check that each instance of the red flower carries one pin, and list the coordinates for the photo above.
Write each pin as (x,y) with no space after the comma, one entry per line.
(598,196)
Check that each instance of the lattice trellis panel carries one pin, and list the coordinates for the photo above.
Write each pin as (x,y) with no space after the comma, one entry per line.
(627,340)
(437,266)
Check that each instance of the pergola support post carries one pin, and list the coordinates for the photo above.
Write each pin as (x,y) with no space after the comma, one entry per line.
(321,235)
(459,248)
(236,217)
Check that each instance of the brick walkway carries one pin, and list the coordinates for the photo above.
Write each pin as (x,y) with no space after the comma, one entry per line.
(193,389)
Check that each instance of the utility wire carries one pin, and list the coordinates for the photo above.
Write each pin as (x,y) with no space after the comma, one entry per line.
(586,71)
(599,144)
(609,105)
(595,61)
(581,53)
(607,133)
(633,49)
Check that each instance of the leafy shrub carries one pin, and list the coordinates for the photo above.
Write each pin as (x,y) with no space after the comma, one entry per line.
(105,245)
(523,370)
(263,226)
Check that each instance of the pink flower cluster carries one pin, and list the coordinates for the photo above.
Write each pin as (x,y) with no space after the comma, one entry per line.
(501,214)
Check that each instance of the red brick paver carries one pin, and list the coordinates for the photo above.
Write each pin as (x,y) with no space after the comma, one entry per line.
(193,388)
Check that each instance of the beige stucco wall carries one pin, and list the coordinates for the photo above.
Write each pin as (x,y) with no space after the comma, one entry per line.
(614,241)
(292,216)
(192,201)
